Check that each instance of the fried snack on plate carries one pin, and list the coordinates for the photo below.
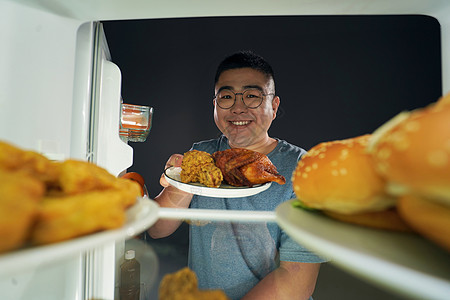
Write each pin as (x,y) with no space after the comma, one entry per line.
(243,167)
(183,285)
(20,195)
(13,158)
(199,166)
(64,217)
(78,176)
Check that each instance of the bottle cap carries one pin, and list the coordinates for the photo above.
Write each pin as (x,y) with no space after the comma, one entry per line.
(130,254)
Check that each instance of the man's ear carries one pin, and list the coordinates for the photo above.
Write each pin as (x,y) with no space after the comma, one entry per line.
(275,105)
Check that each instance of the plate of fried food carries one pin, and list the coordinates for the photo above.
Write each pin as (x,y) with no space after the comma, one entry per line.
(378,205)
(49,209)
(231,173)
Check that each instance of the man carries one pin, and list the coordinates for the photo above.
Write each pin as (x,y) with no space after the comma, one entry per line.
(256,260)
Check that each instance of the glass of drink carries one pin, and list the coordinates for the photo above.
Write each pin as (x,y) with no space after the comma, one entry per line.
(135,122)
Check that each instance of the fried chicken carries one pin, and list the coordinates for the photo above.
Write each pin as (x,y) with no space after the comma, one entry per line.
(199,166)
(183,285)
(242,167)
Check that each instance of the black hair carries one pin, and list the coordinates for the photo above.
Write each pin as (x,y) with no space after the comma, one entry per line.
(245,59)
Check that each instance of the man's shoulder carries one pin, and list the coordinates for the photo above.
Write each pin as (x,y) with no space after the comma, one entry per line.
(210,146)
(285,148)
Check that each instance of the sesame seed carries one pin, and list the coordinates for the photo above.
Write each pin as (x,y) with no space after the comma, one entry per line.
(335,172)
(412,126)
(437,158)
(384,153)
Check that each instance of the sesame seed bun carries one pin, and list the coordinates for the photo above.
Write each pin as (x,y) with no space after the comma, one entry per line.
(412,152)
(338,176)
(429,218)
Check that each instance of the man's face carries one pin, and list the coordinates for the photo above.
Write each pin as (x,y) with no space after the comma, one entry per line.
(245,127)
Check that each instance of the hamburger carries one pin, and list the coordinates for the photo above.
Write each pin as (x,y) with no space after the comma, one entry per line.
(338,178)
(412,153)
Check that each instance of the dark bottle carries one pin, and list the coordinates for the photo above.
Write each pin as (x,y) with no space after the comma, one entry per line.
(130,277)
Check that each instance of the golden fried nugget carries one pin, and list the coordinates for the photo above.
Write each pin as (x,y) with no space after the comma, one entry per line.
(129,190)
(65,217)
(76,176)
(20,195)
(183,285)
(37,165)
(199,166)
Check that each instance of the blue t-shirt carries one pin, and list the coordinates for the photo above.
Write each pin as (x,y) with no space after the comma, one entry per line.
(235,256)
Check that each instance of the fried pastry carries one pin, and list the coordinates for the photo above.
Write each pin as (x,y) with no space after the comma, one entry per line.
(199,166)
(20,195)
(183,285)
(37,165)
(76,177)
(64,217)
(242,167)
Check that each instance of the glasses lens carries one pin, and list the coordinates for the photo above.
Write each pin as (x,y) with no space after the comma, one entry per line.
(252,98)
(225,98)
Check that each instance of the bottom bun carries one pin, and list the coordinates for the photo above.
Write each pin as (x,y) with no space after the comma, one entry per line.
(430,219)
(386,219)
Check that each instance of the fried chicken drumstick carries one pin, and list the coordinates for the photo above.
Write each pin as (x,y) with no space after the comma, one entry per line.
(242,167)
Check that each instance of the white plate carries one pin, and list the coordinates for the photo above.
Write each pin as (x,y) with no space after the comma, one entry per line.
(139,217)
(401,262)
(172,175)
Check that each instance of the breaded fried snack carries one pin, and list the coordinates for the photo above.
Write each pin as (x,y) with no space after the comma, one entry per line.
(78,176)
(13,158)
(339,176)
(199,166)
(183,285)
(20,195)
(65,217)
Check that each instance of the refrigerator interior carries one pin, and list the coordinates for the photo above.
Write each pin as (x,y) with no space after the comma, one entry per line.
(45,78)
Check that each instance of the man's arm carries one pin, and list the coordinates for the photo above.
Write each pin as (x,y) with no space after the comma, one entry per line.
(169,197)
(291,280)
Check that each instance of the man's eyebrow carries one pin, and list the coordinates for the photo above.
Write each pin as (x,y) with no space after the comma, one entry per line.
(252,86)
(225,87)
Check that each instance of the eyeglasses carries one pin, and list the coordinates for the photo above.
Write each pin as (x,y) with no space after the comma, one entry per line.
(252,98)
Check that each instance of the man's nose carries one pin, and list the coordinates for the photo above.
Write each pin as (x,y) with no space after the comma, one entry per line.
(239,103)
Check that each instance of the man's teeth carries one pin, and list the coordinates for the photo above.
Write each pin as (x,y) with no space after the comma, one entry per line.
(239,123)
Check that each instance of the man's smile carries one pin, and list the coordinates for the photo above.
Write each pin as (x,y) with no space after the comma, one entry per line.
(240,123)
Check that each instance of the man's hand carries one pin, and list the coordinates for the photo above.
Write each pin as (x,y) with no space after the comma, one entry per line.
(173,161)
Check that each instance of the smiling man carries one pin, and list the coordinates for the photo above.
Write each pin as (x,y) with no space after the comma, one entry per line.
(256,260)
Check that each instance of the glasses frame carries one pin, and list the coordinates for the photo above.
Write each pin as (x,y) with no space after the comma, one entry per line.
(242,98)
